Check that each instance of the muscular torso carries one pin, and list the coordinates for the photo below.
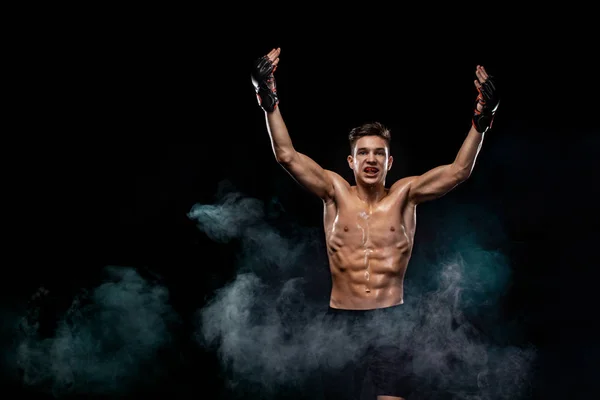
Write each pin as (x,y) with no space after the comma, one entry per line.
(369,247)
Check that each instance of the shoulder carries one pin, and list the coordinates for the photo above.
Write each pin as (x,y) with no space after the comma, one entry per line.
(337,180)
(402,185)
(340,186)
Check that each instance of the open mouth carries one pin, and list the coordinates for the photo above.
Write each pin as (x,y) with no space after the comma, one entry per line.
(371,170)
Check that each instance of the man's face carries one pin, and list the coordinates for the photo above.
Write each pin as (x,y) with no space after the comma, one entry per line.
(370,160)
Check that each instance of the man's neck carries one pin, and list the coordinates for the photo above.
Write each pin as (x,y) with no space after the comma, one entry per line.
(371,194)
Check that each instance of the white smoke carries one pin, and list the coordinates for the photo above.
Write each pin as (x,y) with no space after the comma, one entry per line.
(268,332)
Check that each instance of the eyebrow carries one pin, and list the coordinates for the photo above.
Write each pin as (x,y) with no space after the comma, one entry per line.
(367,148)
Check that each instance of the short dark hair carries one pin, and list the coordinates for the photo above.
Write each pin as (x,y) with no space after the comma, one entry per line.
(369,129)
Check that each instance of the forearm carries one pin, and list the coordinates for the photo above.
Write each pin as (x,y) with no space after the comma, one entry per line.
(280,138)
(467,155)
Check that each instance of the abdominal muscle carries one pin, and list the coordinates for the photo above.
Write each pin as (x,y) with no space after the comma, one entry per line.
(368,256)
(362,288)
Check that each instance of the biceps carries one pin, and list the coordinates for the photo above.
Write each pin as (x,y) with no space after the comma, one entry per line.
(310,175)
(435,183)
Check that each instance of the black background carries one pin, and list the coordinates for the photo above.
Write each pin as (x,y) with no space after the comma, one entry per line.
(124,121)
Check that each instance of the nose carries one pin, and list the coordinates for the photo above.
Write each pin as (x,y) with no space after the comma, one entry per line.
(371,158)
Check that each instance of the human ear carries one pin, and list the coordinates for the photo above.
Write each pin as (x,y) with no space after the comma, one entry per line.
(350,161)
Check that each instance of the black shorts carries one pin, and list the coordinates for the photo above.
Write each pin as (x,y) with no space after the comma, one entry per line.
(366,357)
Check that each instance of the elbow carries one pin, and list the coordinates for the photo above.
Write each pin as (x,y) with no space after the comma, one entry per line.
(285,158)
(461,174)
(464,175)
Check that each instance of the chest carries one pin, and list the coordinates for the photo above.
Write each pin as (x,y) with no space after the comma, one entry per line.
(378,226)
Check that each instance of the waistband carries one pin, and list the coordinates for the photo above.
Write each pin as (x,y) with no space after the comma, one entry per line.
(369,312)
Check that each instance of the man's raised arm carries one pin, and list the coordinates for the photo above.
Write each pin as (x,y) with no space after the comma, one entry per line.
(302,168)
(440,180)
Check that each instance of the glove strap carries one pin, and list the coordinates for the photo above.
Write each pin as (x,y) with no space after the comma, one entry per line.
(267,94)
(482,121)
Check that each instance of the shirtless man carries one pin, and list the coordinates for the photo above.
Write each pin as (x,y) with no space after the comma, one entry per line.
(369,228)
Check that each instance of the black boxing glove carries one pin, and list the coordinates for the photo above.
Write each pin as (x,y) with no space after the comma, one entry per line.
(489,100)
(264,84)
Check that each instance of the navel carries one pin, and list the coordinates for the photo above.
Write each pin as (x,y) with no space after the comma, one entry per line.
(346,228)
(392,228)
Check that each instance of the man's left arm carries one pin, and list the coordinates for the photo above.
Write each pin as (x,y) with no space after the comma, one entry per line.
(440,180)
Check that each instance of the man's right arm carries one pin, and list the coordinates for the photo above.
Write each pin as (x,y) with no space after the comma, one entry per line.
(302,168)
